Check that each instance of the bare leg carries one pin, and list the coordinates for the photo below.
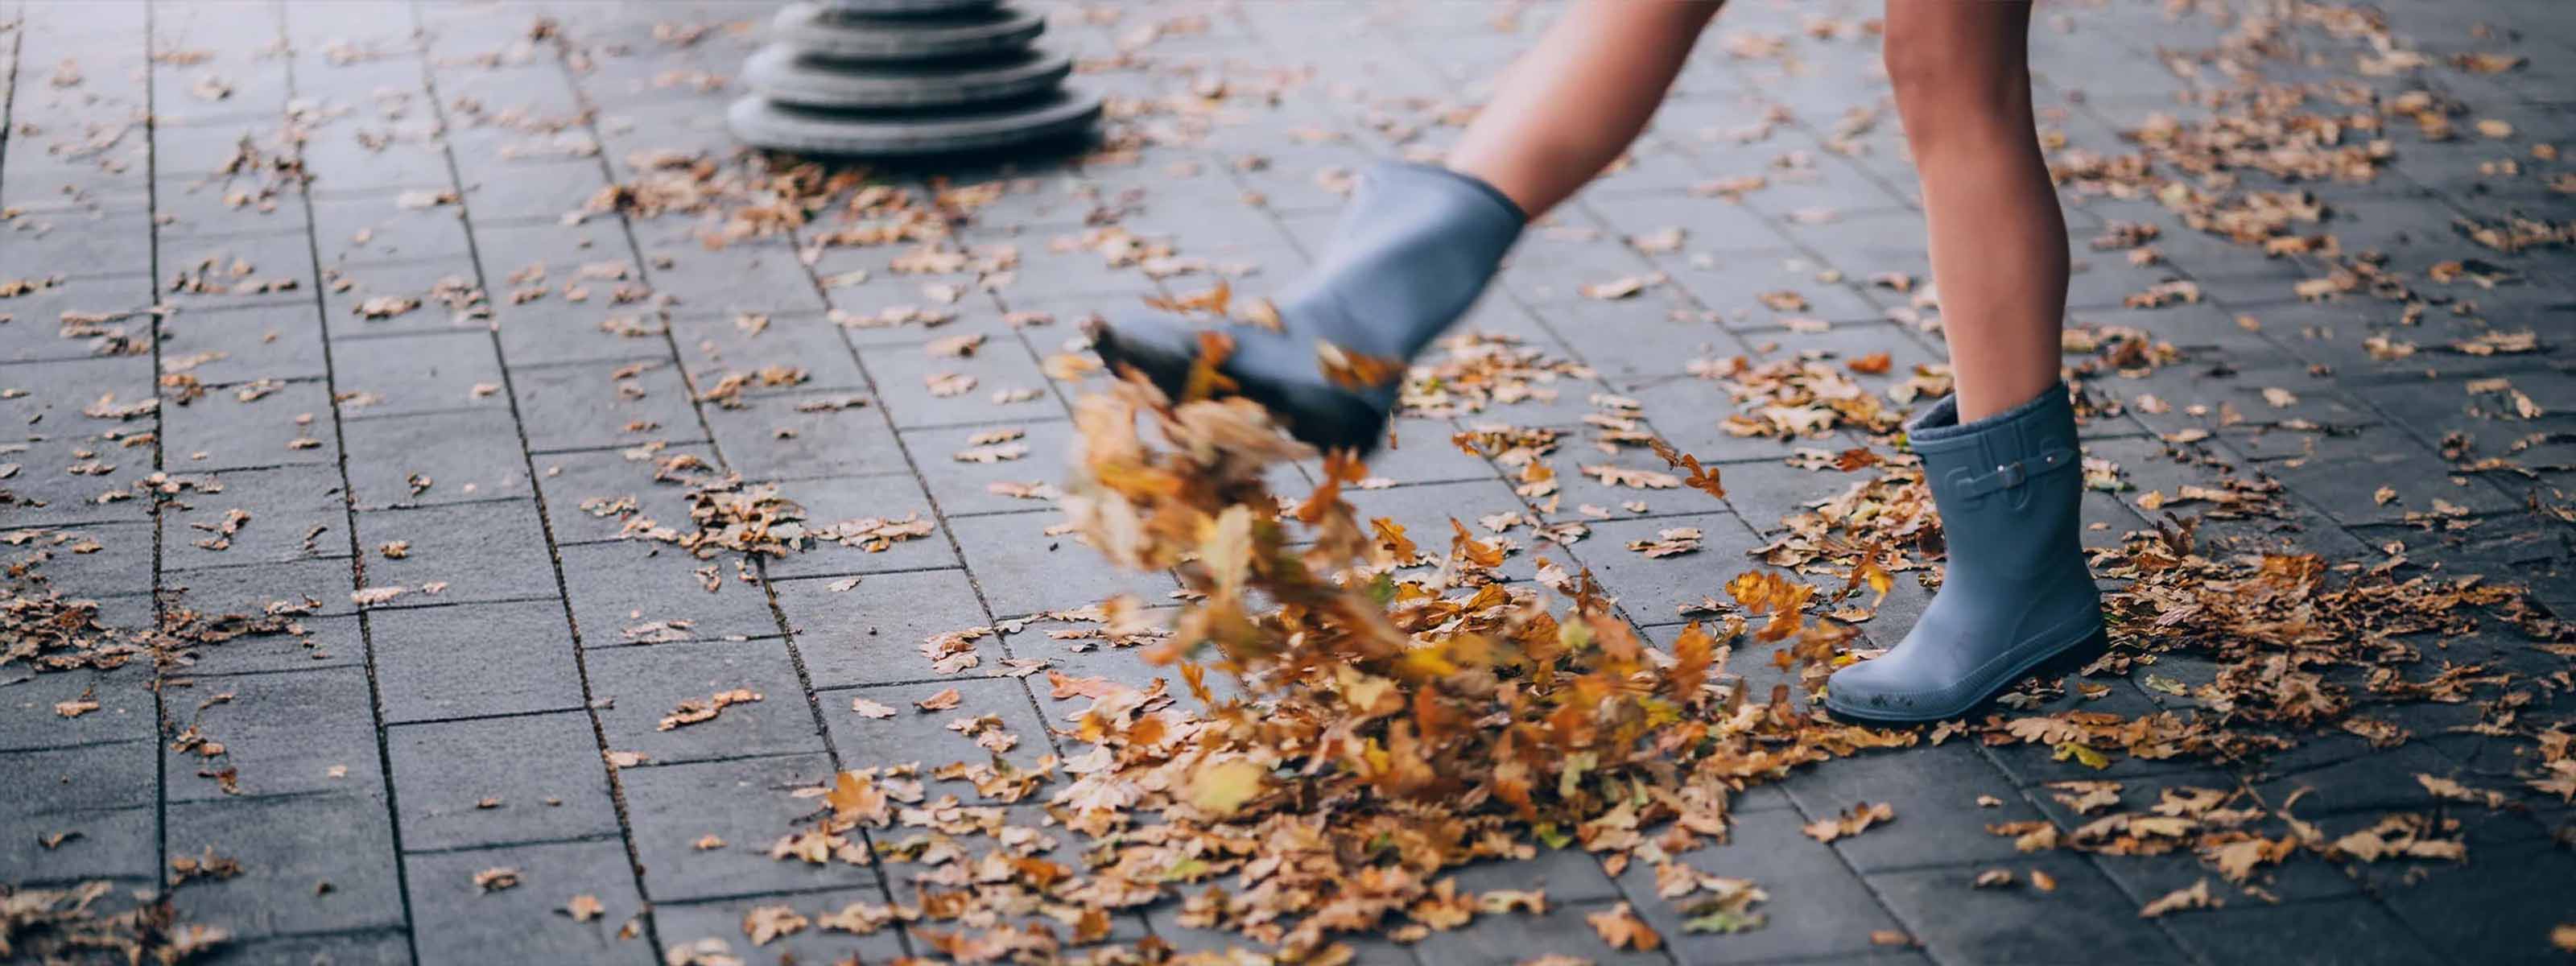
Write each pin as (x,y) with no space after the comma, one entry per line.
(1962,75)
(1571,104)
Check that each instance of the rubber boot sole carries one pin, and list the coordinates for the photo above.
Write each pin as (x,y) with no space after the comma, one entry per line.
(2054,662)
(1327,420)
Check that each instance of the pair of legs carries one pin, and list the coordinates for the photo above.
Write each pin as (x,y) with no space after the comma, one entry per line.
(1418,243)
(1572,104)
(1999,456)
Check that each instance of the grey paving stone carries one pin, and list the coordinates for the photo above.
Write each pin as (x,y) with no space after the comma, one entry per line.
(1652,589)
(915,735)
(1733,285)
(890,497)
(2037,764)
(542,771)
(2437,407)
(953,465)
(2250,932)
(1936,787)
(55,393)
(552,252)
(347,287)
(1425,509)
(417,373)
(288,424)
(2379,780)
(912,380)
(745,277)
(200,145)
(300,732)
(642,686)
(1847,342)
(1708,224)
(1516,937)
(94,844)
(747,803)
(2107,279)
(1287,181)
(312,642)
(457,553)
(872,633)
(1164,921)
(531,190)
(713,347)
(580,333)
(1022,570)
(587,332)
(40,337)
(319,587)
(287,505)
(478,659)
(1752,664)
(1126,665)
(195,207)
(1554,263)
(1568,875)
(2084,919)
(685,924)
(77,240)
(365,229)
(804,434)
(457,921)
(90,560)
(125,709)
(1640,340)
(468,455)
(2343,477)
(1818,907)
(629,591)
(1687,414)
(2145,878)
(1422,453)
(1767,492)
(289,849)
(86,777)
(592,405)
(581,486)
(383,947)
(239,269)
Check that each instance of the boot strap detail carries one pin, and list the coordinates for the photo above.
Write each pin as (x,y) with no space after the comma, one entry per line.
(2017,472)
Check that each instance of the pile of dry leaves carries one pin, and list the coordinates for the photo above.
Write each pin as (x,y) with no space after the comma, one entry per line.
(1398,713)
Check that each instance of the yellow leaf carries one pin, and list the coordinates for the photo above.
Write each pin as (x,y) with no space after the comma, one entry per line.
(2082,754)
(1223,787)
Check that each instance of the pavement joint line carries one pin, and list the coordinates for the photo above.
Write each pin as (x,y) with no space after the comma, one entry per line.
(507,845)
(653,763)
(422,33)
(161,715)
(631,645)
(884,881)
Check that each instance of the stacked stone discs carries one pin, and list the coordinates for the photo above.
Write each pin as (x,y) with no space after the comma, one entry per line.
(896,77)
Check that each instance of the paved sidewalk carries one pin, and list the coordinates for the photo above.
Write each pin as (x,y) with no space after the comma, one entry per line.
(382,320)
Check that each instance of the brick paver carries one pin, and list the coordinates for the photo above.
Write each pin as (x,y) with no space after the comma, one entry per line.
(487,661)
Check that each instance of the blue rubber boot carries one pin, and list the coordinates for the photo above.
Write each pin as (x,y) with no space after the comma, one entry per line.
(1410,254)
(2017,592)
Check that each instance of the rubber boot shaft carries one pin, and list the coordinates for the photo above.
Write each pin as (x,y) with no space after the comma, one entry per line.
(1410,255)
(2016,591)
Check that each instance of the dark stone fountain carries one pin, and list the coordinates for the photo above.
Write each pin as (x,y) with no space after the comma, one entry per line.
(907,77)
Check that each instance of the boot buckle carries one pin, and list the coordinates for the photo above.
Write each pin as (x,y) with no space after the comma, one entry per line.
(2012,475)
